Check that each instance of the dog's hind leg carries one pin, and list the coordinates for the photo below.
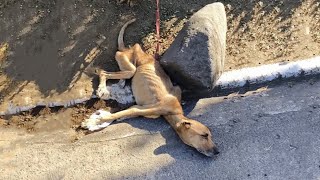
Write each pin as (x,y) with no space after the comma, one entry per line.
(168,106)
(127,68)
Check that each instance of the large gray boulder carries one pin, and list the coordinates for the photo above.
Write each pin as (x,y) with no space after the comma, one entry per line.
(195,60)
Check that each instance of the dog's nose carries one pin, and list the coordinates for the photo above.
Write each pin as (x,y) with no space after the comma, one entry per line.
(215,151)
(210,153)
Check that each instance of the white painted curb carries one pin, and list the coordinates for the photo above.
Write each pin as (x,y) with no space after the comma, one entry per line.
(266,73)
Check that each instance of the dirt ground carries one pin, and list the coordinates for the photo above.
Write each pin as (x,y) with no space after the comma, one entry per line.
(45,43)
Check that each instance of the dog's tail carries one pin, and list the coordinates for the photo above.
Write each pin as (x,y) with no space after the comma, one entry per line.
(121,45)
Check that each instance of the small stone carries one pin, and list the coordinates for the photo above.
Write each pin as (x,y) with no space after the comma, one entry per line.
(307,31)
(293,147)
(312,81)
(290,84)
(236,120)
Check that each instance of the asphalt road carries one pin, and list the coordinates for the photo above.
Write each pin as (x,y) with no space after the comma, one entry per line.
(274,134)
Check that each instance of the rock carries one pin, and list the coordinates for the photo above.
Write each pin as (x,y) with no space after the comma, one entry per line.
(195,60)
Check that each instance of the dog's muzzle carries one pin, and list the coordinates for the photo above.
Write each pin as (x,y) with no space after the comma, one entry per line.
(209,153)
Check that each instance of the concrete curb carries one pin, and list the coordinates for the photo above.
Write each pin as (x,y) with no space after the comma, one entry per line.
(266,73)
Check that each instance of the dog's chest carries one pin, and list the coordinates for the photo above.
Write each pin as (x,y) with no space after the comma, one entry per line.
(148,87)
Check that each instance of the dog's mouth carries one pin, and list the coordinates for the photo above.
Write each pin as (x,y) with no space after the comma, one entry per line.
(209,153)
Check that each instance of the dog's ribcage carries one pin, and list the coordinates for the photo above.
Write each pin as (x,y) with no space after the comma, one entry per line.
(155,84)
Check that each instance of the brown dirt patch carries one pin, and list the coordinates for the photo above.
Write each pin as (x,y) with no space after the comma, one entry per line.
(259,32)
(44,119)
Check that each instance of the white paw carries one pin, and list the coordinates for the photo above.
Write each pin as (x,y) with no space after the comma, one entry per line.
(103,92)
(93,123)
(90,124)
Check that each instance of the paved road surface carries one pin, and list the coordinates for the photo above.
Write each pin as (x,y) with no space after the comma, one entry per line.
(274,134)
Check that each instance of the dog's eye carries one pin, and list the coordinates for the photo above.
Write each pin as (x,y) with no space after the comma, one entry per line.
(205,135)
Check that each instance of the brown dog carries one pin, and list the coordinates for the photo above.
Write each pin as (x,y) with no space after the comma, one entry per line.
(155,96)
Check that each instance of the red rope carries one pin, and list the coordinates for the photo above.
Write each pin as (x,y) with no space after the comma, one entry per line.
(157,30)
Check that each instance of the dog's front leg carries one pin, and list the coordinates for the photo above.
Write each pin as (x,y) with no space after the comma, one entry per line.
(101,118)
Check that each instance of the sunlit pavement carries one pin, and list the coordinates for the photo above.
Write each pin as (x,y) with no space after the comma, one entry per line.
(273,134)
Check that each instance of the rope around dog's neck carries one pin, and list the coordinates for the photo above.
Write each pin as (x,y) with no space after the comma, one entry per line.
(156,55)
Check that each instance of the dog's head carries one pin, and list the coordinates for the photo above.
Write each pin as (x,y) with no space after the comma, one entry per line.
(197,135)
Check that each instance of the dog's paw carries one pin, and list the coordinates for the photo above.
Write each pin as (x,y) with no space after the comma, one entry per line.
(93,122)
(103,92)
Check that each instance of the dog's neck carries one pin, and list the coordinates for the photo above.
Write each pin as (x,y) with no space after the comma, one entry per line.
(174,120)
